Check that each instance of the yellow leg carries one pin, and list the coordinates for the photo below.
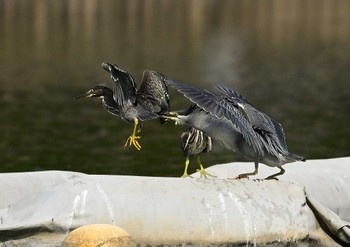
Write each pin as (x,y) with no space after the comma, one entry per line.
(186,167)
(202,171)
(132,140)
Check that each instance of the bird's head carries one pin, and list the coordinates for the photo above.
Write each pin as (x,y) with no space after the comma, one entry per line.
(97,91)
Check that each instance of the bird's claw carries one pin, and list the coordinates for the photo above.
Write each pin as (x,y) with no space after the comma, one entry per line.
(185,175)
(241,176)
(132,140)
(203,173)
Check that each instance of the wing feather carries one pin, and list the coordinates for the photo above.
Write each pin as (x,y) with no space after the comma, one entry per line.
(268,129)
(123,84)
(154,92)
(220,108)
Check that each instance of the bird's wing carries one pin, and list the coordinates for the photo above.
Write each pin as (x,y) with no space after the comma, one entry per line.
(237,97)
(153,92)
(280,133)
(261,122)
(112,110)
(110,105)
(123,84)
(141,113)
(219,107)
(256,118)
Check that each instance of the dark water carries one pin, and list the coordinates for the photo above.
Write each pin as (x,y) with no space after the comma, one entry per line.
(291,59)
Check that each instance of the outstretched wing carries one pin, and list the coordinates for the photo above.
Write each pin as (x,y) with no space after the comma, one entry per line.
(238,98)
(261,122)
(123,84)
(219,107)
(153,92)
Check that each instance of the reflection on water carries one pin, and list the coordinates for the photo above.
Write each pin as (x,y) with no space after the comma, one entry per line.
(291,59)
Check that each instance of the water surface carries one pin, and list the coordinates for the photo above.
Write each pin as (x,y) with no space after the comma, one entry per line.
(291,59)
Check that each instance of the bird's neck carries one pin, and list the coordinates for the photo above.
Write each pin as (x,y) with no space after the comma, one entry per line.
(109,101)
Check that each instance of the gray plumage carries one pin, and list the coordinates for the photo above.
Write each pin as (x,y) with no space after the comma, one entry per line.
(233,122)
(132,105)
(146,103)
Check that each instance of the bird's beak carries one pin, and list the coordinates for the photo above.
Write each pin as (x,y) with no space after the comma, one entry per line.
(88,94)
(171,116)
(106,66)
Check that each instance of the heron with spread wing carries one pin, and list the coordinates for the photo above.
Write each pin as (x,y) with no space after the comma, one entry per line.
(231,121)
(131,104)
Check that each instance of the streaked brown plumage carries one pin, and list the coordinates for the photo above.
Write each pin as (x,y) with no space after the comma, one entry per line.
(194,142)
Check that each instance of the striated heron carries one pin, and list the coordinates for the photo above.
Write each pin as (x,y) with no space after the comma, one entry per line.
(233,122)
(194,142)
(132,105)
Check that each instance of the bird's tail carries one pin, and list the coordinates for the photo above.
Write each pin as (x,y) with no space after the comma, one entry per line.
(295,157)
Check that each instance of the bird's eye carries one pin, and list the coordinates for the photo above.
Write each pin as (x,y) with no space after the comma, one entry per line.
(97,92)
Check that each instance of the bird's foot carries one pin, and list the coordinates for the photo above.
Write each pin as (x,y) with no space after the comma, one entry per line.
(271,178)
(185,175)
(241,176)
(246,175)
(132,140)
(203,173)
